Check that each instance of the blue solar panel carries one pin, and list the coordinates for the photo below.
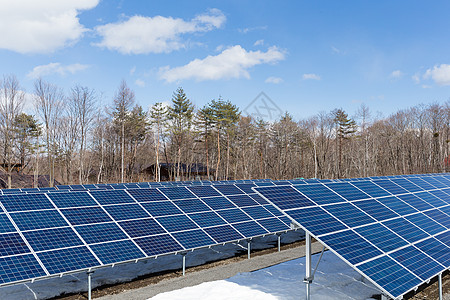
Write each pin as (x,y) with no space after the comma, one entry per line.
(421,183)
(5,224)
(407,185)
(175,193)
(65,260)
(320,193)
(228,189)
(48,239)
(142,227)
(397,205)
(391,187)
(347,191)
(436,250)
(193,238)
(114,252)
(370,188)
(246,187)
(143,195)
(250,229)
(176,223)
(85,215)
(24,202)
(158,244)
(434,182)
(242,200)
(425,223)
(273,225)
(218,203)
(405,229)
(12,243)
(38,219)
(317,220)
(287,196)
(439,217)
(349,214)
(223,234)
(351,246)
(381,237)
(64,200)
(16,268)
(415,202)
(126,212)
(431,199)
(207,219)
(161,208)
(375,209)
(203,191)
(390,275)
(191,205)
(233,215)
(112,197)
(98,233)
(418,262)
(258,199)
(257,212)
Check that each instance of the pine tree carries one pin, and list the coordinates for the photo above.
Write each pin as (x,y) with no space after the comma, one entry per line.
(345,127)
(180,115)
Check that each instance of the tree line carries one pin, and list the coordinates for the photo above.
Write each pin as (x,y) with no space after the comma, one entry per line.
(75,141)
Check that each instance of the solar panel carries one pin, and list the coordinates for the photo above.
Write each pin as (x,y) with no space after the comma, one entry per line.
(398,237)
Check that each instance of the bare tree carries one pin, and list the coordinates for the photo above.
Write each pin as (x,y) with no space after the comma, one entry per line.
(11,104)
(48,104)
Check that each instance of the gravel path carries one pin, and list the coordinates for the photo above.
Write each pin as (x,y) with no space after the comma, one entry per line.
(216,273)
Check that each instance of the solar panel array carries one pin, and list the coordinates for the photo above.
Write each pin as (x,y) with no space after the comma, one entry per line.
(393,230)
(49,234)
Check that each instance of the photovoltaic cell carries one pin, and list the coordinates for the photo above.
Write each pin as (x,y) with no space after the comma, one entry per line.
(391,187)
(114,252)
(38,219)
(347,191)
(415,202)
(223,234)
(126,212)
(228,189)
(112,197)
(375,209)
(144,195)
(425,223)
(158,244)
(242,200)
(207,219)
(65,260)
(85,215)
(349,214)
(317,220)
(320,193)
(203,191)
(351,246)
(11,244)
(370,188)
(439,217)
(175,193)
(416,261)
(405,229)
(397,205)
(431,199)
(250,229)
(287,197)
(5,224)
(49,239)
(142,227)
(233,215)
(191,205)
(16,268)
(76,199)
(257,212)
(99,233)
(193,238)
(24,202)
(218,202)
(381,237)
(273,225)
(437,250)
(407,185)
(177,223)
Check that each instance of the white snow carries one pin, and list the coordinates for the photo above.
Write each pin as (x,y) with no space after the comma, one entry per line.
(334,279)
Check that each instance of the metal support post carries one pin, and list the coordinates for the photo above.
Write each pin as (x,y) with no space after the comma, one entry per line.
(249,244)
(384,297)
(440,286)
(279,241)
(184,263)
(308,279)
(89,274)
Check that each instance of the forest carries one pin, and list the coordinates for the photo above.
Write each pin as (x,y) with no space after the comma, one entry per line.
(72,139)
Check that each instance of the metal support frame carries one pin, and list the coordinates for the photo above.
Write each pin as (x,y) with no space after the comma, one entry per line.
(184,263)
(308,278)
(440,286)
(384,297)
(249,246)
(89,274)
(279,241)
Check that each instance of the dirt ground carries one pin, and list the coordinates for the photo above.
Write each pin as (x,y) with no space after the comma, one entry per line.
(426,292)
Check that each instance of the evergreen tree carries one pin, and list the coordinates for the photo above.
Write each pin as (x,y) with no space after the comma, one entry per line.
(345,127)
(27,128)
(205,120)
(180,115)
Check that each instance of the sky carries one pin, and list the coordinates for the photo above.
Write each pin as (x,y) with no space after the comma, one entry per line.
(304,57)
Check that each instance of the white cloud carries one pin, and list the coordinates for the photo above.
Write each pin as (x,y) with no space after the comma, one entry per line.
(140,82)
(396,74)
(336,50)
(259,43)
(143,35)
(30,26)
(56,68)
(233,62)
(311,76)
(248,29)
(440,74)
(416,78)
(275,80)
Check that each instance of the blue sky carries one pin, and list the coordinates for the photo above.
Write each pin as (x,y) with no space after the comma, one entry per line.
(307,56)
